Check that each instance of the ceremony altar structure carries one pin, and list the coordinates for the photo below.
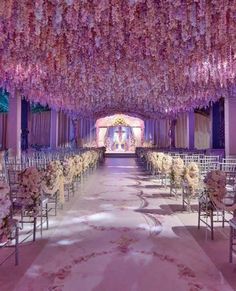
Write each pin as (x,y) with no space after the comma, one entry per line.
(120,133)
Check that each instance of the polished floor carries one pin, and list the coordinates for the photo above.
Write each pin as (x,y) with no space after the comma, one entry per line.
(122,232)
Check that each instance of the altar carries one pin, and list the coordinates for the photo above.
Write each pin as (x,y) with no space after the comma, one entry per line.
(120,133)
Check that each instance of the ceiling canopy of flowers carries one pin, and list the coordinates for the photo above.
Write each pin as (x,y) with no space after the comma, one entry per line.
(98,57)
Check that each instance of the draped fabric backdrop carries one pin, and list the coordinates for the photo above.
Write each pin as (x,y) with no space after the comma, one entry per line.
(162,130)
(63,129)
(202,131)
(39,128)
(181,136)
(157,131)
(85,131)
(3,131)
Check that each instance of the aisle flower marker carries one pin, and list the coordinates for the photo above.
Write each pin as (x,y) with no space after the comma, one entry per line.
(216,188)
(192,180)
(30,188)
(5,205)
(176,175)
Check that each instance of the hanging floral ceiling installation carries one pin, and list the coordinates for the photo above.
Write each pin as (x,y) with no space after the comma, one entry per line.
(106,56)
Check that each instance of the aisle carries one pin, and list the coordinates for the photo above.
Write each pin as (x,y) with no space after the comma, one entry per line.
(120,235)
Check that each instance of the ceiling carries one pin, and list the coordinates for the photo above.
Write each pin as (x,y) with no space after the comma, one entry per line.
(96,58)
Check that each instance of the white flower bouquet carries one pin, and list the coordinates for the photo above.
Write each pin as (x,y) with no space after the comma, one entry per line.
(68,169)
(157,161)
(177,171)
(30,187)
(166,164)
(216,184)
(78,165)
(192,177)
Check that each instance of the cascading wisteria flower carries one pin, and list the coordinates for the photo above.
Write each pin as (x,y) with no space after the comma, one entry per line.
(102,57)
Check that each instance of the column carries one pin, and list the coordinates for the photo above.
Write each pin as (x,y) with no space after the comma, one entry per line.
(172,131)
(230,124)
(71,130)
(25,107)
(190,129)
(54,129)
(14,125)
(218,125)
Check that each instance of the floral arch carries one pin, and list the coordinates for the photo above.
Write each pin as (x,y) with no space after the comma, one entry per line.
(120,132)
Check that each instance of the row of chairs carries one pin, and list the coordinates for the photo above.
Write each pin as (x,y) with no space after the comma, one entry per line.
(23,213)
(208,212)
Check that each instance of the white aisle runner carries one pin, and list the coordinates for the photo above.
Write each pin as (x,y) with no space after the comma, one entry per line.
(118,236)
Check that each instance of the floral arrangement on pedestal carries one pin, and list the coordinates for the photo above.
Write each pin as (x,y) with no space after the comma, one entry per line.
(166,164)
(5,205)
(177,172)
(30,188)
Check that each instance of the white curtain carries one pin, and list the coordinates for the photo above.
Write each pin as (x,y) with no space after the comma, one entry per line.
(63,129)
(181,131)
(157,131)
(202,131)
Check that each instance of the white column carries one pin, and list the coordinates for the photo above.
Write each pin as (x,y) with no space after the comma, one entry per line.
(14,125)
(190,130)
(54,129)
(230,124)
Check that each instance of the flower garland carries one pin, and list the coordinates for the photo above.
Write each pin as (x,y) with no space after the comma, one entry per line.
(5,205)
